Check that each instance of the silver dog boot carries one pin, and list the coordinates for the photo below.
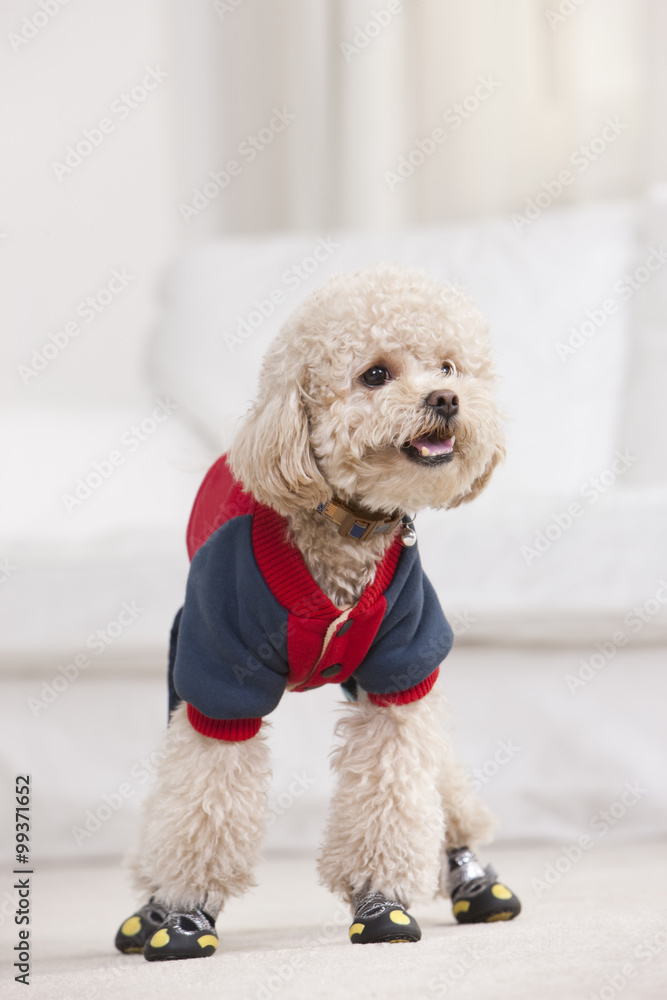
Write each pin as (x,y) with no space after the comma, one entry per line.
(377,919)
(477,895)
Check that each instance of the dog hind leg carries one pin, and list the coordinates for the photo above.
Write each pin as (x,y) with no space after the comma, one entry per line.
(476,894)
(467,820)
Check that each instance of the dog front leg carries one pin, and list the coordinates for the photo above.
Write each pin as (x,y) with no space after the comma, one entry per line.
(202,827)
(382,844)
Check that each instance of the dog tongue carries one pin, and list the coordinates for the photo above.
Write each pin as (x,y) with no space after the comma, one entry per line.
(430,446)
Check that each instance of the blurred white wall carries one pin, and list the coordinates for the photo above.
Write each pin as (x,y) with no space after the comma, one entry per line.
(511,89)
(365,89)
(65,233)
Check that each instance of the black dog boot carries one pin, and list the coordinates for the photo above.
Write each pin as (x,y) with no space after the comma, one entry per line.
(135,931)
(377,919)
(183,934)
(477,895)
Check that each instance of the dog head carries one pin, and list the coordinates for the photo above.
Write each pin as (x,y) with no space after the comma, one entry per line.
(378,390)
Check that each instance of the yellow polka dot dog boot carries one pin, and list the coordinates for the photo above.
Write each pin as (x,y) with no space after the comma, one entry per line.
(183,934)
(134,932)
(477,895)
(377,918)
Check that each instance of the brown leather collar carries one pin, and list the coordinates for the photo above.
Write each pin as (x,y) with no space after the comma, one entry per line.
(355,523)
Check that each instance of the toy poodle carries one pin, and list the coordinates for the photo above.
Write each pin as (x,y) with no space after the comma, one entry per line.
(375,401)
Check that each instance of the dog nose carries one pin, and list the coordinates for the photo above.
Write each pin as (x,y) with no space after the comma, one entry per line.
(446,402)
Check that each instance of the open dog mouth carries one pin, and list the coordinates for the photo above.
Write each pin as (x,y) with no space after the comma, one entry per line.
(432,449)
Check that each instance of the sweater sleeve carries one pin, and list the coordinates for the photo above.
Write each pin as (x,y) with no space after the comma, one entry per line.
(412,641)
(406,697)
(231,658)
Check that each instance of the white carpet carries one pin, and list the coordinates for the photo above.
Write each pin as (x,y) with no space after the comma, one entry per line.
(288,939)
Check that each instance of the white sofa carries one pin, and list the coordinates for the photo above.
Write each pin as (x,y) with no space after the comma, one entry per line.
(551,660)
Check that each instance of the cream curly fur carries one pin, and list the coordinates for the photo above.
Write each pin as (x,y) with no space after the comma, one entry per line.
(468,822)
(317,431)
(386,821)
(402,800)
(204,819)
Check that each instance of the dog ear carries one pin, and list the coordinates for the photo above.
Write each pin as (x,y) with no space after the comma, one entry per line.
(271,454)
(482,481)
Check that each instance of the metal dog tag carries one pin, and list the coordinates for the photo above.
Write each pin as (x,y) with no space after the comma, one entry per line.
(408,533)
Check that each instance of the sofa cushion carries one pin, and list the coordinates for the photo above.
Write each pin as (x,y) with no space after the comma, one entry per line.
(537,288)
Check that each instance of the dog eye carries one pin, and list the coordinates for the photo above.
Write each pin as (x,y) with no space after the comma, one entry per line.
(449,368)
(376,376)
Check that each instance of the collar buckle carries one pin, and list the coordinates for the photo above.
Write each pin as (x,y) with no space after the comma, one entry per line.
(355,524)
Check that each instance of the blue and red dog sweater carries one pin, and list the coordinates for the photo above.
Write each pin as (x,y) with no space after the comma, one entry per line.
(255,622)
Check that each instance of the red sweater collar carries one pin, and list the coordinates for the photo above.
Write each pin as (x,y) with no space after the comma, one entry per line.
(289,579)
(221,497)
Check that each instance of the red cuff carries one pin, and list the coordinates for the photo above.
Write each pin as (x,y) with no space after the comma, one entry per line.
(231,730)
(405,697)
